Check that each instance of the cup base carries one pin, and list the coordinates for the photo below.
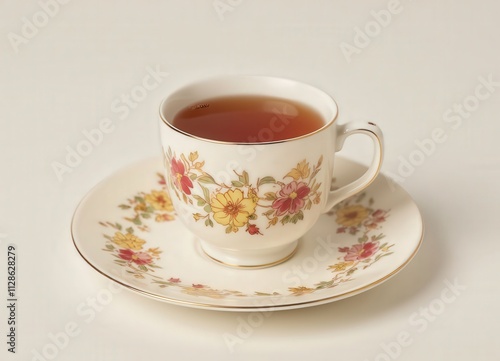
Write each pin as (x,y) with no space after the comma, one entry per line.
(253,259)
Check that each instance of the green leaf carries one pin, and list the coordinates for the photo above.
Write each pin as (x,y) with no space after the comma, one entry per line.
(237,184)
(192,176)
(124,206)
(285,219)
(201,201)
(269,212)
(320,161)
(324,284)
(130,230)
(207,179)
(308,205)
(363,239)
(146,215)
(244,178)
(266,180)
(266,293)
(315,188)
(143,268)
(313,174)
(118,226)
(351,271)
(270,196)
(206,193)
(137,220)
(207,208)
(139,199)
(229,229)
(379,256)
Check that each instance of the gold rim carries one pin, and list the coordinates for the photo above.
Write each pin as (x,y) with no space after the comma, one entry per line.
(272,307)
(264,265)
(327,124)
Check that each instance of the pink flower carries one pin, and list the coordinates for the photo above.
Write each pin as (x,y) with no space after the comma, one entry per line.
(140,258)
(359,252)
(291,198)
(179,176)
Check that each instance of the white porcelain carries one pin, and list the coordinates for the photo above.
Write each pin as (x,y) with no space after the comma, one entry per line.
(127,230)
(250,203)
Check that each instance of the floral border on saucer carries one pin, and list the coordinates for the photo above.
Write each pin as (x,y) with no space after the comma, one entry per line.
(354,216)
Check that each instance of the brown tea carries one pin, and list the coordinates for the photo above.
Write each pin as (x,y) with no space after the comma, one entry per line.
(248,119)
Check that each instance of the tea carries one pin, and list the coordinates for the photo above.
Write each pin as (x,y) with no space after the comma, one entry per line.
(248,119)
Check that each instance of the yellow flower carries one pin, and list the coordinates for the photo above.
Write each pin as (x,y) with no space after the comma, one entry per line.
(164,217)
(298,291)
(302,171)
(203,291)
(141,207)
(159,200)
(342,266)
(352,215)
(155,252)
(231,208)
(253,195)
(193,156)
(128,240)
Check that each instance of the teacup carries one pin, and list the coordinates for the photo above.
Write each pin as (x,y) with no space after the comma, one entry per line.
(249,203)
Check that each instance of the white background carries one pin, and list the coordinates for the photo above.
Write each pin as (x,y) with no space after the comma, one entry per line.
(82,56)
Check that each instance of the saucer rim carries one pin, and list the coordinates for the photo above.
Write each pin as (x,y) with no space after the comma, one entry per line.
(274,307)
(242,308)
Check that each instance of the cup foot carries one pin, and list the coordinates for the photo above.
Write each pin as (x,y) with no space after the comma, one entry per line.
(250,259)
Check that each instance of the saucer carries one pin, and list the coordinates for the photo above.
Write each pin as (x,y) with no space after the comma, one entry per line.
(127,230)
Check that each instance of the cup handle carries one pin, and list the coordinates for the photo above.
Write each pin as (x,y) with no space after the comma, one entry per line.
(344,131)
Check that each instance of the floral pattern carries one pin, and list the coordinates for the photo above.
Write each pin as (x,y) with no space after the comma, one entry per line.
(355,217)
(240,204)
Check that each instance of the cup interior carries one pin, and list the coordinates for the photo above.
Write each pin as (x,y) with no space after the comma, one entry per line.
(223,86)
